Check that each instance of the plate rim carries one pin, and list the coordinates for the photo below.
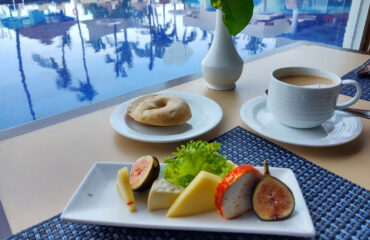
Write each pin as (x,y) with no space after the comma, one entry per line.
(212,125)
(251,103)
(309,232)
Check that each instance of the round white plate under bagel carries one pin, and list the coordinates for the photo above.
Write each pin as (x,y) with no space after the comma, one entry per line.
(341,128)
(206,114)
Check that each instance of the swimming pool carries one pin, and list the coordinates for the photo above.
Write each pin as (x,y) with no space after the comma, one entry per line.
(60,55)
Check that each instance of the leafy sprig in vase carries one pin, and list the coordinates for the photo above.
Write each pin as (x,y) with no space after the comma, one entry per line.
(222,66)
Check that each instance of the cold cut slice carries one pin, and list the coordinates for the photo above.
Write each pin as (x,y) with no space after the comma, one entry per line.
(234,193)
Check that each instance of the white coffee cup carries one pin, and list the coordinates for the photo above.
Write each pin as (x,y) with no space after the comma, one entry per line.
(306,106)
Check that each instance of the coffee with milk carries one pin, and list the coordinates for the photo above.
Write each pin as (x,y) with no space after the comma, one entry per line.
(307,81)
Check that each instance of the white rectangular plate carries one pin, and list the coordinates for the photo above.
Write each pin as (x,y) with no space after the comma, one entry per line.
(97,201)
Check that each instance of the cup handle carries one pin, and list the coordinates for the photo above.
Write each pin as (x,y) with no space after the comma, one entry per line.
(355,98)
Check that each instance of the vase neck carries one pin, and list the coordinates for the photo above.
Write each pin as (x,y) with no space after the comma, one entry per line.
(220,28)
(222,51)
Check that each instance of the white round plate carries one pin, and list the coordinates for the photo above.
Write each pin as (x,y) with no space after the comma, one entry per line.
(341,128)
(206,114)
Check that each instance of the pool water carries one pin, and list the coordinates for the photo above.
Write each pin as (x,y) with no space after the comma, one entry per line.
(56,56)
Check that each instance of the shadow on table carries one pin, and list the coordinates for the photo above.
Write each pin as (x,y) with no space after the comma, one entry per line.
(344,150)
(4,225)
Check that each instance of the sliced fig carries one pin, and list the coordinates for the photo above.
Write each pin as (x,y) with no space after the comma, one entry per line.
(143,173)
(272,199)
(234,193)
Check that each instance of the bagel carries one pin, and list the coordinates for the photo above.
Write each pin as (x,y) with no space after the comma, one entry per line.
(159,110)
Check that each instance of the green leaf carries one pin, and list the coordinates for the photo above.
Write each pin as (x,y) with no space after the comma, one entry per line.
(216,3)
(192,158)
(236,13)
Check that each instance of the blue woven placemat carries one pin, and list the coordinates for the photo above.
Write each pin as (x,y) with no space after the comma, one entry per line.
(339,209)
(364,81)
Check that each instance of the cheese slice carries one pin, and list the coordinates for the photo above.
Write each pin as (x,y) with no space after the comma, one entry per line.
(163,194)
(124,188)
(197,197)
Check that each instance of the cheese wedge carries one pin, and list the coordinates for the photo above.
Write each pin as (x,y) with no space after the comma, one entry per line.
(197,197)
(162,194)
(124,188)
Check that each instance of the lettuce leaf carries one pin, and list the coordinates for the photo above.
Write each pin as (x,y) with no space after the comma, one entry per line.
(236,13)
(192,158)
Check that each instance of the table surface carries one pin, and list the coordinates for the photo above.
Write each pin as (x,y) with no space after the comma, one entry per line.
(40,170)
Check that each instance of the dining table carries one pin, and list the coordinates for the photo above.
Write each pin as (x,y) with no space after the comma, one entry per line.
(43,163)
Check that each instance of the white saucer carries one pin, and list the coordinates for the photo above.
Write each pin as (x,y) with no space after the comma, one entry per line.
(206,114)
(341,128)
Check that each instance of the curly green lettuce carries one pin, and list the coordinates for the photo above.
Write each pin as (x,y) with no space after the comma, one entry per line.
(192,158)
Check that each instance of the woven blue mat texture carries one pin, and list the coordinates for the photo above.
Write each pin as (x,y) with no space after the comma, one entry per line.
(339,208)
(364,81)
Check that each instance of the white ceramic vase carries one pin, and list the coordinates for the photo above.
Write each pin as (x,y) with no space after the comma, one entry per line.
(222,66)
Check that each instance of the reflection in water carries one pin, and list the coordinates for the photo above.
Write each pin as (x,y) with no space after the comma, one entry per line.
(19,56)
(177,53)
(86,91)
(160,38)
(123,54)
(64,79)
(255,45)
(143,42)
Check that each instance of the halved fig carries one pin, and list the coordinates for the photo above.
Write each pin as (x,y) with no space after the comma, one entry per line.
(234,193)
(272,199)
(143,173)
